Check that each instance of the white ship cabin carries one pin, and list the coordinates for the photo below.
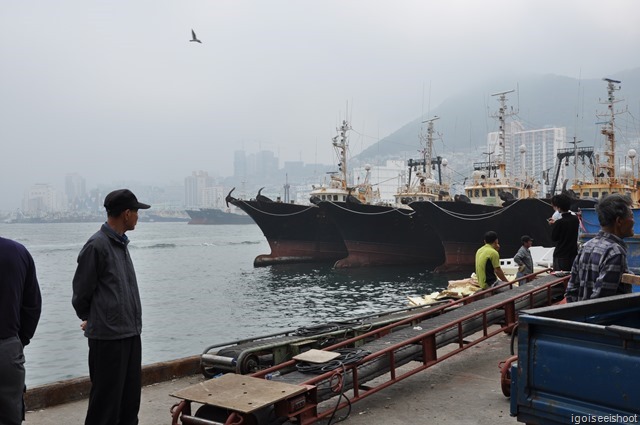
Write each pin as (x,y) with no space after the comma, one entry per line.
(495,190)
(427,189)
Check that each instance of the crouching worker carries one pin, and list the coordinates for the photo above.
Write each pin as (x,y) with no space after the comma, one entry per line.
(488,269)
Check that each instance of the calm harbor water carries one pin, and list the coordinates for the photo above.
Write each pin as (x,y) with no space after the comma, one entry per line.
(199,287)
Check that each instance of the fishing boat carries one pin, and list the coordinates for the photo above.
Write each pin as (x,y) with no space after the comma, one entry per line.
(601,177)
(510,206)
(381,234)
(490,184)
(303,233)
(216,216)
(492,200)
(461,227)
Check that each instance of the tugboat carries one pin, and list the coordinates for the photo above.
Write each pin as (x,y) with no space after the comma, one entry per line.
(303,233)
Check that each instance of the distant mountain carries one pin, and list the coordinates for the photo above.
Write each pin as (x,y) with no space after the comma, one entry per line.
(541,100)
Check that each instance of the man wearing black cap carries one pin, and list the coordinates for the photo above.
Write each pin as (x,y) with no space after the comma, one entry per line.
(523,258)
(106,299)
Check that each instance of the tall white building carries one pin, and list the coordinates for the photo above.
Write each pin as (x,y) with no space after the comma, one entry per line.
(194,188)
(530,153)
(42,198)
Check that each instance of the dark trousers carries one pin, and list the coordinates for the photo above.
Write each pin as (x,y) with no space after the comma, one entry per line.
(11,381)
(563,264)
(115,372)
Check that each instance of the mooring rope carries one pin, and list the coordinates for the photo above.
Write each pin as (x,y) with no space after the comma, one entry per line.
(279,215)
(391,210)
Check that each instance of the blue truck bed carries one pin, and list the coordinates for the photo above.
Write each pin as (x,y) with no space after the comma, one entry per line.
(579,363)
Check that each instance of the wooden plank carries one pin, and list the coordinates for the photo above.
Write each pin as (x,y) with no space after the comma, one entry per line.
(631,278)
(316,356)
(239,393)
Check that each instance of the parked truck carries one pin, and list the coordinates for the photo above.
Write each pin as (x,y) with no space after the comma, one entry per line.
(579,363)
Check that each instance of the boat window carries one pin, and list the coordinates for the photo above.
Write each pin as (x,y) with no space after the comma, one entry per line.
(516,193)
(585,194)
(484,192)
(335,197)
(594,194)
(477,193)
(492,192)
(344,198)
(604,194)
(420,198)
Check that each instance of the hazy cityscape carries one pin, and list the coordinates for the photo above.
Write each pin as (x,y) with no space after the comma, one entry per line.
(263,169)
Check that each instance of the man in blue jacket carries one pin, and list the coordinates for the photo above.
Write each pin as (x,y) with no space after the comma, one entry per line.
(107,300)
(20,306)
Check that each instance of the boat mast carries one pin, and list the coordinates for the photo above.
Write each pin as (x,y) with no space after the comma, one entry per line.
(428,151)
(608,169)
(340,143)
(501,116)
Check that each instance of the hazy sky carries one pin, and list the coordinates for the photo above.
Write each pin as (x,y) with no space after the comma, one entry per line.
(114,90)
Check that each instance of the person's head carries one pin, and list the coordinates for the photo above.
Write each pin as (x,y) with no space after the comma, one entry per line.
(562,202)
(122,209)
(615,215)
(526,240)
(491,238)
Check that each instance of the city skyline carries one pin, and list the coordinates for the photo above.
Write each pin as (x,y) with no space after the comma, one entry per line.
(133,99)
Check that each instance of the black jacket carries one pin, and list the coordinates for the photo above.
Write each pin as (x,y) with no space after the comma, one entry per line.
(20,299)
(564,232)
(105,289)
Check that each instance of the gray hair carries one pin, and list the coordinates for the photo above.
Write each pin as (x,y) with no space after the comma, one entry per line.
(611,207)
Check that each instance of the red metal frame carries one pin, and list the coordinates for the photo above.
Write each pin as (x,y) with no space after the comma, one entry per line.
(310,414)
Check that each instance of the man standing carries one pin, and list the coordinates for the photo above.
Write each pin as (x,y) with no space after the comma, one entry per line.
(488,268)
(20,307)
(564,232)
(106,299)
(601,261)
(523,258)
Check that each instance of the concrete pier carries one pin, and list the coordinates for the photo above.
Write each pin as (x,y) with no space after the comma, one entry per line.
(462,390)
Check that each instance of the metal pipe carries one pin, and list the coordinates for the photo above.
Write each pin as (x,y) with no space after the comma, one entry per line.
(214,360)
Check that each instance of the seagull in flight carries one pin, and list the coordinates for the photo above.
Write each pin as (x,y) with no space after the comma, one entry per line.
(194,38)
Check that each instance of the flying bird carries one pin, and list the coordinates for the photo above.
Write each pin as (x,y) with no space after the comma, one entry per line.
(194,38)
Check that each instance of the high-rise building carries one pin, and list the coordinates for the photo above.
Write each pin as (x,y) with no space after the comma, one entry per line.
(42,198)
(239,164)
(530,153)
(194,188)
(75,189)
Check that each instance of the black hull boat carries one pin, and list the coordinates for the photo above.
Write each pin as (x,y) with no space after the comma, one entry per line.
(296,233)
(303,233)
(377,235)
(461,227)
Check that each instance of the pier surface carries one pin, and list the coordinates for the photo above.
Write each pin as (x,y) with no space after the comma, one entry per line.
(464,389)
